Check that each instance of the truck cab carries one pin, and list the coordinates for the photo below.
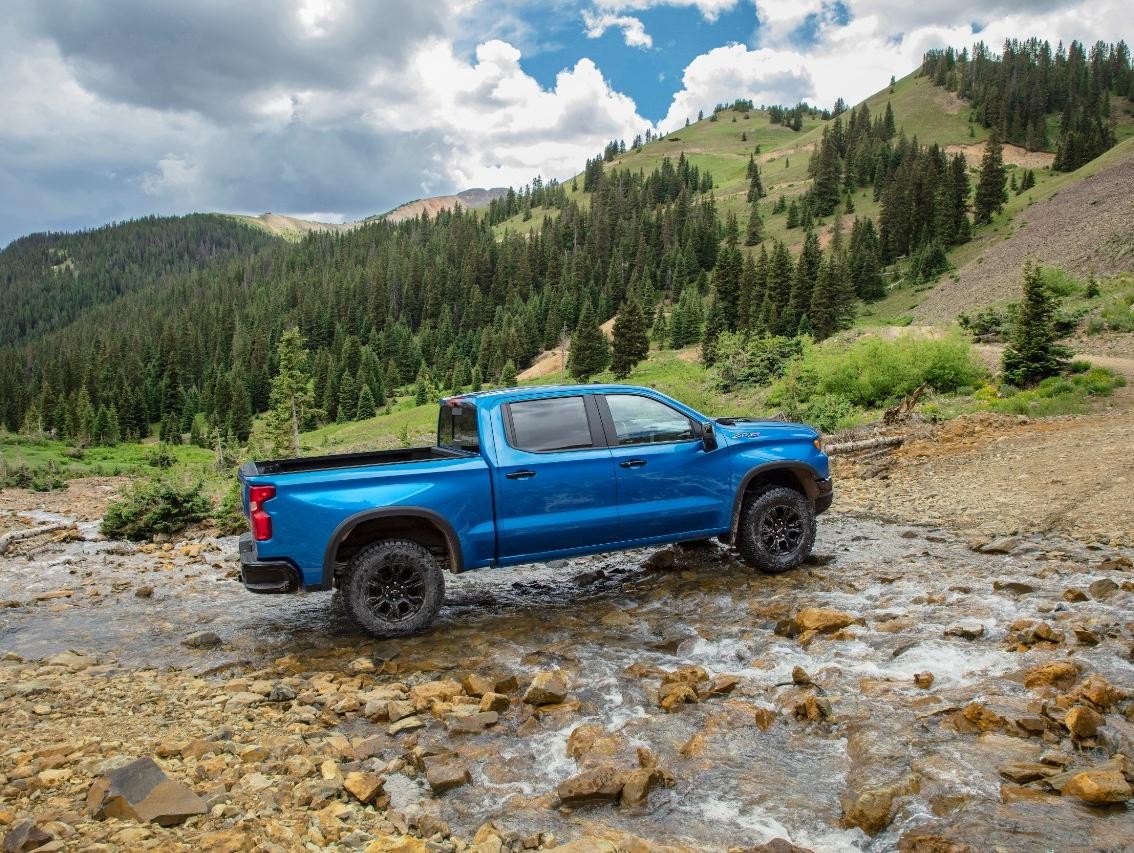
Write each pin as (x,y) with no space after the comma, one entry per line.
(527,475)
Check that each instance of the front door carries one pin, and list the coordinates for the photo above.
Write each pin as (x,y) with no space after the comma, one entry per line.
(555,479)
(668,484)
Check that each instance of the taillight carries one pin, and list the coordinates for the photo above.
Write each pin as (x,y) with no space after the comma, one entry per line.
(261,521)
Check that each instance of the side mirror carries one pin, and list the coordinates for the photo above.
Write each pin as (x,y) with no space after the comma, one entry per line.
(708,437)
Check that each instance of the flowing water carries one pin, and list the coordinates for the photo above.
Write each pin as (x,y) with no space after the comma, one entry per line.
(746,768)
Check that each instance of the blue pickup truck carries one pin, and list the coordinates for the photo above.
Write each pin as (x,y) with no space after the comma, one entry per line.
(525,475)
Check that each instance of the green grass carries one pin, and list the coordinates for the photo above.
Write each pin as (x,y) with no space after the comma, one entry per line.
(18,451)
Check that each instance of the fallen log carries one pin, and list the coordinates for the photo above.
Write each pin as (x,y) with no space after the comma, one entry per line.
(865,444)
(29,533)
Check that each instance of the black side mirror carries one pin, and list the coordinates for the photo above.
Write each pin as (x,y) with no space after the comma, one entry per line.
(708,437)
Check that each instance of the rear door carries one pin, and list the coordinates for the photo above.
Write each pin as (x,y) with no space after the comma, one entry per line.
(668,484)
(555,478)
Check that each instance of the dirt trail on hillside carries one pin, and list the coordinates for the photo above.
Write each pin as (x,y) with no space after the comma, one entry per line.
(1013,155)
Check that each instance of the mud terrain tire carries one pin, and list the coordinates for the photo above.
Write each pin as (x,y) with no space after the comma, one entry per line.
(393,587)
(776,530)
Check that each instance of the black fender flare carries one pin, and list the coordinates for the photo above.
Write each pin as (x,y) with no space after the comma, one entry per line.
(804,473)
(347,525)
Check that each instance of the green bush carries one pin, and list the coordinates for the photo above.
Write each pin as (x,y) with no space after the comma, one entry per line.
(162,457)
(872,372)
(1058,395)
(748,360)
(1118,312)
(829,412)
(229,515)
(158,505)
(1060,282)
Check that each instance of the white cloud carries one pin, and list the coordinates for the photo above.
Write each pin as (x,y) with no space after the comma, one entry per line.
(633,30)
(710,9)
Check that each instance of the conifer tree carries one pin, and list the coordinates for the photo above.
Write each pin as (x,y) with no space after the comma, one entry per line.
(421,390)
(659,331)
(773,319)
(290,394)
(508,378)
(754,233)
(348,397)
(630,344)
(793,214)
(366,408)
(1034,352)
(590,353)
(990,192)
(714,325)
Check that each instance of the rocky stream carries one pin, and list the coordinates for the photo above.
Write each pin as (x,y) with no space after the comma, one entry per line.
(908,689)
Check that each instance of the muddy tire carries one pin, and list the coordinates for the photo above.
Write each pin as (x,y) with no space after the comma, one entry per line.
(776,530)
(393,587)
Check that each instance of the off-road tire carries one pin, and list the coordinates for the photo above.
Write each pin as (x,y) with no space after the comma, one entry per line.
(776,530)
(393,587)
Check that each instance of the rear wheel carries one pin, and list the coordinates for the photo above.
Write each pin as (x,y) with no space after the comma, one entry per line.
(777,529)
(393,587)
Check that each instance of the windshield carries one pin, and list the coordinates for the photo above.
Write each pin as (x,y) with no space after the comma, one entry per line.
(456,428)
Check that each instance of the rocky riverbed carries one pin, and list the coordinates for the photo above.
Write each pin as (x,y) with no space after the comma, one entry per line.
(909,689)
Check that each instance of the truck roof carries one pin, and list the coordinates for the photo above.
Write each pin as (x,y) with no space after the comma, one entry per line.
(498,393)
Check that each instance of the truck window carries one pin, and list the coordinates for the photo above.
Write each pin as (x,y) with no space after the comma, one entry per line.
(640,420)
(553,423)
(456,428)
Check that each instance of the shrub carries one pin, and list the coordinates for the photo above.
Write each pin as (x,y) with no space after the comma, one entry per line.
(748,360)
(162,457)
(152,506)
(829,412)
(229,514)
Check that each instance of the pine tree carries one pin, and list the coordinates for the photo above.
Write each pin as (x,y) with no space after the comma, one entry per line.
(366,408)
(659,331)
(590,353)
(714,325)
(348,397)
(1034,352)
(630,344)
(793,214)
(754,233)
(421,390)
(990,192)
(508,378)
(290,394)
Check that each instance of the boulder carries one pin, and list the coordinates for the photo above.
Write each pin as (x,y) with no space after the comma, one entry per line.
(965,630)
(1022,772)
(547,688)
(1083,722)
(1060,673)
(443,773)
(1002,545)
(776,845)
(227,841)
(478,685)
(364,787)
(1099,786)
(924,680)
(24,835)
(1102,589)
(1100,692)
(672,696)
(821,620)
(1013,587)
(598,785)
(492,701)
(472,723)
(141,791)
(691,675)
(201,640)
(636,788)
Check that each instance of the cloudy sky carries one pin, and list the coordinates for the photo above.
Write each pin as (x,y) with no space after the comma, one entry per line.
(336,109)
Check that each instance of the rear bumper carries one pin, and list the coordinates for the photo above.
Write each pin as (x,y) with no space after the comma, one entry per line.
(265,577)
(825,495)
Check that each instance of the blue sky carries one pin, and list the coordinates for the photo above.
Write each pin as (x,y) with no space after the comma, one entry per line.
(340,109)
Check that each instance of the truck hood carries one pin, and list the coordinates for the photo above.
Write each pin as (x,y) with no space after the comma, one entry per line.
(743,430)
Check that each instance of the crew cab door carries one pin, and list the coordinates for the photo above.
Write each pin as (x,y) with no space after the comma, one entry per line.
(668,484)
(554,479)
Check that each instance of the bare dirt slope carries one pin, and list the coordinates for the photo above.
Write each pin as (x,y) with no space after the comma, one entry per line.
(1087,225)
(473,198)
(292,228)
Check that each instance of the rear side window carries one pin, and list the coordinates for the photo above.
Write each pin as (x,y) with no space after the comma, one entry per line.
(640,420)
(553,423)
(456,428)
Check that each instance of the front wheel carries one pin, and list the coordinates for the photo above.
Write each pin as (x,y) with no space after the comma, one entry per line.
(393,587)
(777,529)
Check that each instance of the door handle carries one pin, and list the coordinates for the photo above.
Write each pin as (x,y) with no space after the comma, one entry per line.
(520,475)
(632,463)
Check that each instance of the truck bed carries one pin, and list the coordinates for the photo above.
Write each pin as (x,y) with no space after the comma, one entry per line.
(331,461)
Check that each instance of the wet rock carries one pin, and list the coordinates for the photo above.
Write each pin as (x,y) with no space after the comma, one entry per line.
(1085,636)
(546,688)
(799,676)
(1099,786)
(1100,692)
(1075,595)
(1062,673)
(141,791)
(1117,563)
(1022,772)
(1013,587)
(144,592)
(443,773)
(360,666)
(597,785)
(821,620)
(1083,722)
(636,789)
(472,723)
(364,787)
(201,640)
(675,694)
(497,702)
(924,680)
(281,693)
(1001,545)
(585,845)
(718,685)
(813,708)
(24,835)
(776,845)
(477,685)
(965,630)
(661,560)
(1102,589)
(406,724)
